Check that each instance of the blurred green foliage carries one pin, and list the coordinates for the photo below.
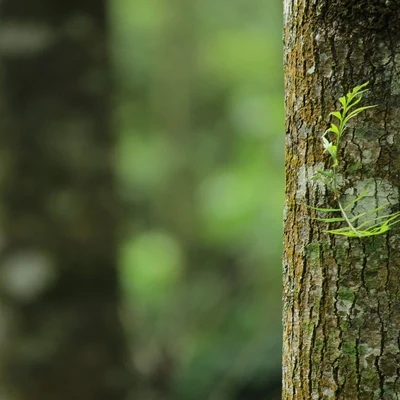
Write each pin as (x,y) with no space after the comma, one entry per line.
(200,160)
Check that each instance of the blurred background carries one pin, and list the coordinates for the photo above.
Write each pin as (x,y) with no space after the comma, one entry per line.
(197,120)
(200,162)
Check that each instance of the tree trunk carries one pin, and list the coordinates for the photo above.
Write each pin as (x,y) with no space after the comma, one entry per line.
(60,335)
(341,295)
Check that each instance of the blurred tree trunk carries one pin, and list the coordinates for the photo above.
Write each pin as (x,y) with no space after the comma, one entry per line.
(60,335)
(341,297)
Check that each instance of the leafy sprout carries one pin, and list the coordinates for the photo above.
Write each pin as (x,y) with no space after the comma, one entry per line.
(365,223)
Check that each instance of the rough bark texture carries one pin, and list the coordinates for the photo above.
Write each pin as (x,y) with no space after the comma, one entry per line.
(60,335)
(341,296)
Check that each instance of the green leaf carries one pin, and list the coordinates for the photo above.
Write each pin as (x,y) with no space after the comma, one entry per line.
(361,196)
(326,142)
(374,210)
(330,220)
(378,231)
(334,129)
(337,114)
(388,218)
(343,101)
(328,173)
(332,150)
(393,218)
(357,90)
(355,101)
(347,233)
(324,209)
(359,87)
(344,229)
(356,112)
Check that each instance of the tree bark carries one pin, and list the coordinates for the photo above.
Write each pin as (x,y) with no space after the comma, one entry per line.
(341,296)
(60,335)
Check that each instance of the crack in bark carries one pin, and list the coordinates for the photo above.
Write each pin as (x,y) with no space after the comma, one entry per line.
(382,349)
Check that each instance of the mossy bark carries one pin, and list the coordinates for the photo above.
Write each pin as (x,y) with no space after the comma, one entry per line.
(60,334)
(341,296)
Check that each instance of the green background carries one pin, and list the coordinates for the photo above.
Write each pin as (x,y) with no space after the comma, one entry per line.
(199,111)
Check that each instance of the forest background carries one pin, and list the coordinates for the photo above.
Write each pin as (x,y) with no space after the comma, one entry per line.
(197,107)
(200,162)
(200,94)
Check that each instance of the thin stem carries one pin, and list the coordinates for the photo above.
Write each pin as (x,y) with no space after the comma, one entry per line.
(347,220)
(334,179)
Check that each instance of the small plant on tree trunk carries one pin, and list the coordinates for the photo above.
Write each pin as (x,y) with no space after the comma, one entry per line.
(367,223)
